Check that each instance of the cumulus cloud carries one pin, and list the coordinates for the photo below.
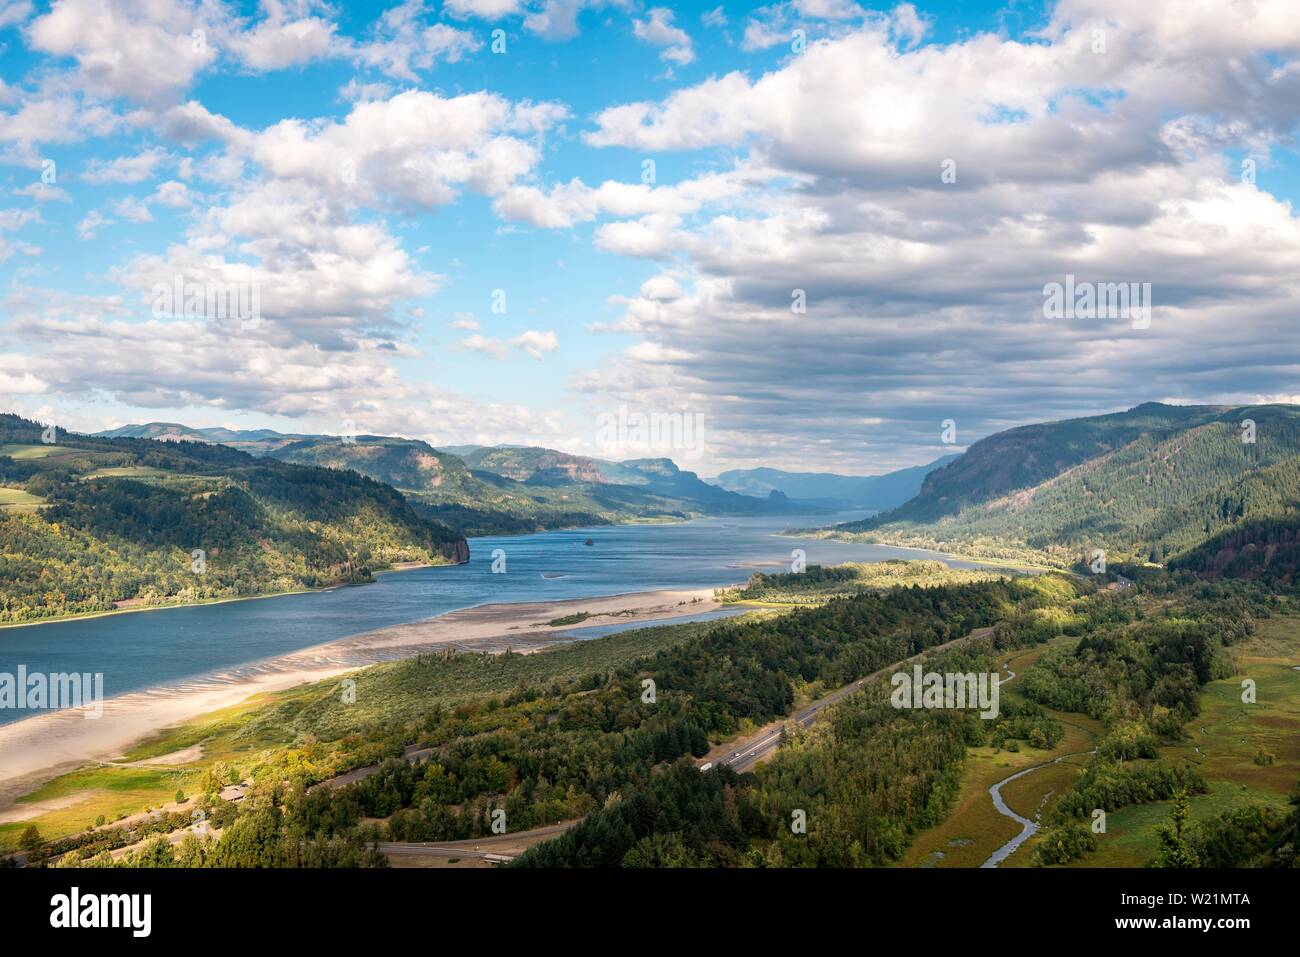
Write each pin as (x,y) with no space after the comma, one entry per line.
(125,169)
(130,48)
(403,41)
(924,292)
(532,342)
(416,150)
(658,30)
(284,39)
(91,224)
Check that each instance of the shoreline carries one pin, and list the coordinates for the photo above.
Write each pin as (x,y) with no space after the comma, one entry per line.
(1009,564)
(86,616)
(36,749)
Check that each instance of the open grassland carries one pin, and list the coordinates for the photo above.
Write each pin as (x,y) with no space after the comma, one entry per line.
(975,829)
(136,472)
(17,500)
(34,451)
(110,791)
(1222,743)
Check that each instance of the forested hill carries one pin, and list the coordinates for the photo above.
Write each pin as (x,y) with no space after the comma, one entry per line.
(510,490)
(1150,484)
(93,524)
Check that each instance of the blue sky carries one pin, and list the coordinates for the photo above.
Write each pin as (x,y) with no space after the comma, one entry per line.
(379,172)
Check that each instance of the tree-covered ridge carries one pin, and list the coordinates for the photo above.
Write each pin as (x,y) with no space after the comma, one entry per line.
(505,491)
(1267,549)
(1029,455)
(122,521)
(1158,494)
(819,583)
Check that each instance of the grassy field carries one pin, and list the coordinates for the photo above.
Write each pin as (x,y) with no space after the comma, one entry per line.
(134,472)
(1222,743)
(17,500)
(34,451)
(113,792)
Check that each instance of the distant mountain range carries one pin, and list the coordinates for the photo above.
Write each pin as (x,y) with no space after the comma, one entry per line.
(491,489)
(1212,489)
(1148,484)
(830,490)
(254,441)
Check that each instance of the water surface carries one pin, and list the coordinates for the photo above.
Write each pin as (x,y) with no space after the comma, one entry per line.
(174,645)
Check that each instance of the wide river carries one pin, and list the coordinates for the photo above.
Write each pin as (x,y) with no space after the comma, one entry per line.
(147,649)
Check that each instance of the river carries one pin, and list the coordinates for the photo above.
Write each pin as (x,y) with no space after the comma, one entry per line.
(148,649)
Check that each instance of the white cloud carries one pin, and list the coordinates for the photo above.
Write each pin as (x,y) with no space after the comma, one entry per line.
(402,44)
(133,210)
(138,50)
(89,227)
(14,12)
(416,150)
(44,193)
(924,297)
(483,9)
(278,41)
(536,343)
(532,342)
(125,169)
(658,30)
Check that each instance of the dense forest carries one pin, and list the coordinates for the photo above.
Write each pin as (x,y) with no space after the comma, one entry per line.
(567,748)
(564,749)
(141,522)
(1142,486)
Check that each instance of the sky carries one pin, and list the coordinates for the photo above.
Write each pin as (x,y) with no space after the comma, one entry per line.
(821,232)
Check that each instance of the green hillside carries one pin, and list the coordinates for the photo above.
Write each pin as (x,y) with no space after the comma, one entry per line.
(1146,484)
(510,490)
(119,520)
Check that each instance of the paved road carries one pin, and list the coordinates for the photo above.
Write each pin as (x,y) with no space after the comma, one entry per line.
(478,847)
(750,752)
(413,754)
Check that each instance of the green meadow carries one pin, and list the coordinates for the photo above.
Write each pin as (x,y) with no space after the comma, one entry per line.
(1222,742)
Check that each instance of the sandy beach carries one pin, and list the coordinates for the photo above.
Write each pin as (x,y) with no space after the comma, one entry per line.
(41,747)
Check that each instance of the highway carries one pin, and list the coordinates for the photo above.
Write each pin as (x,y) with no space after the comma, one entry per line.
(745,755)
(498,848)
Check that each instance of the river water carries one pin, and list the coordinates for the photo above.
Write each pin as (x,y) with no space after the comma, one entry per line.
(147,649)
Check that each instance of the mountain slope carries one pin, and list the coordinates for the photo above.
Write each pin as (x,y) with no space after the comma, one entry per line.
(521,490)
(827,488)
(132,521)
(1148,484)
(256,441)
(658,476)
